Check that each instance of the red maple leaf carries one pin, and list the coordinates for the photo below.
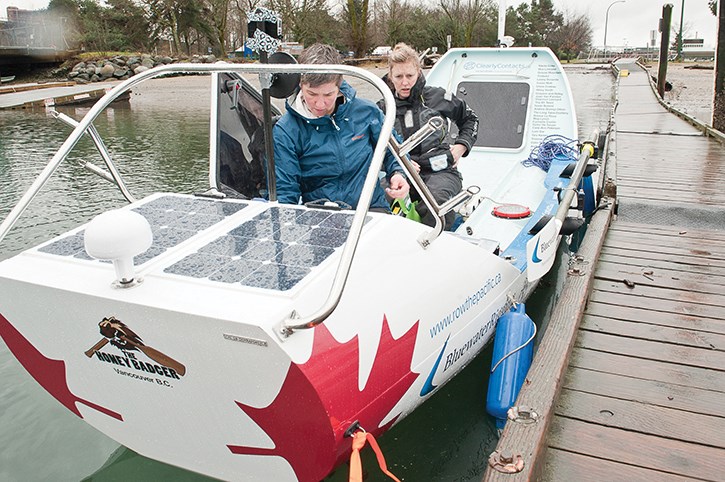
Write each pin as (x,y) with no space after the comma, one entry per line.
(320,399)
(49,373)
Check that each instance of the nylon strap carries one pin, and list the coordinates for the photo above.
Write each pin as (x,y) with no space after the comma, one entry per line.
(358,442)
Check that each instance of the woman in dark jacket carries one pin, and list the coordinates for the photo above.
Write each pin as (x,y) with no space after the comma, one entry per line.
(416,103)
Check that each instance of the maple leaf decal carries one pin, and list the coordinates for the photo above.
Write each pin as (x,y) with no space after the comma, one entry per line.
(320,399)
(50,374)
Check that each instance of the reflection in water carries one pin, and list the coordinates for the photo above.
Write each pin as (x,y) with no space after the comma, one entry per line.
(161,144)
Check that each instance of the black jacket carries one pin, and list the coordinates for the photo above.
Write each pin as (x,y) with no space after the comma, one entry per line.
(425,102)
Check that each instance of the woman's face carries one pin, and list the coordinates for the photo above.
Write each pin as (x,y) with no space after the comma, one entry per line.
(321,99)
(404,77)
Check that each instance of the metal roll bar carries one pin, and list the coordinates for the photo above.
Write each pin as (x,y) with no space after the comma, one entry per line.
(294,321)
(400,152)
(113,175)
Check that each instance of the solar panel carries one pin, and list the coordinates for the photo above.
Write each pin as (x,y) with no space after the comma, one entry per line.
(274,250)
(173,220)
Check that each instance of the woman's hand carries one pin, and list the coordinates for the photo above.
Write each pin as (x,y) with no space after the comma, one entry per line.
(457,150)
(398,186)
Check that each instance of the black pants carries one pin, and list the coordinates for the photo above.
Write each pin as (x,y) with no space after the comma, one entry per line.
(443,185)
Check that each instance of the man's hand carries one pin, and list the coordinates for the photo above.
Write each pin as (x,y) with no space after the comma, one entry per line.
(457,150)
(398,186)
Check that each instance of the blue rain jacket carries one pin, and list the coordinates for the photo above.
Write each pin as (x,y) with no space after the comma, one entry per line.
(328,157)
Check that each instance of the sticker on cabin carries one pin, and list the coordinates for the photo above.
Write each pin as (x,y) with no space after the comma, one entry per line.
(120,336)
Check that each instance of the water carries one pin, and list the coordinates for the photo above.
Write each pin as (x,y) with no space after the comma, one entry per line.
(161,143)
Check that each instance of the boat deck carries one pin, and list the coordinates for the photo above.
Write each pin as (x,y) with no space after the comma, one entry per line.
(630,384)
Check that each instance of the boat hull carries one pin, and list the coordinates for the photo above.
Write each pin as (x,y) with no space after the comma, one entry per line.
(212,387)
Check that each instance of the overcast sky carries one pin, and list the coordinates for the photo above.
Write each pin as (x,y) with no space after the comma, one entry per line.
(629,23)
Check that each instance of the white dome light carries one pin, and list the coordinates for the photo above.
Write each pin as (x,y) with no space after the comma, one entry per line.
(118,235)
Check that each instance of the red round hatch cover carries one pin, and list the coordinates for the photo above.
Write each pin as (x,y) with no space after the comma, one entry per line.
(511,211)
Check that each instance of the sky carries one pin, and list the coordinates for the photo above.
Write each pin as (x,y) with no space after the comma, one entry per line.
(629,22)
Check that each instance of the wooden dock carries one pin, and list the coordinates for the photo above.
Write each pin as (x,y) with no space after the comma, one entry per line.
(628,382)
(29,96)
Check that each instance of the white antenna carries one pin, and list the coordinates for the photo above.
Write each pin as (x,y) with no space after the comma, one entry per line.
(501,20)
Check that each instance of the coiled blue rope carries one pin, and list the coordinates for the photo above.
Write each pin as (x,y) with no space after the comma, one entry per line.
(549,148)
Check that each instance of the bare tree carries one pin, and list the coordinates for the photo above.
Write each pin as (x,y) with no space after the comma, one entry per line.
(392,17)
(217,14)
(575,36)
(464,17)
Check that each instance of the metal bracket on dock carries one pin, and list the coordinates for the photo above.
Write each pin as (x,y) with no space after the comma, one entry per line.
(576,266)
(525,415)
(506,462)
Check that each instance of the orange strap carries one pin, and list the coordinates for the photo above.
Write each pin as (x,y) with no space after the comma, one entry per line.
(358,442)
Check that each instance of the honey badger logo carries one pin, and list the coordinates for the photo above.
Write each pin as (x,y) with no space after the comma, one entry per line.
(121,336)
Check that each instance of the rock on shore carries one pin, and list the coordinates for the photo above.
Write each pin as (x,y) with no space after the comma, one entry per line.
(122,67)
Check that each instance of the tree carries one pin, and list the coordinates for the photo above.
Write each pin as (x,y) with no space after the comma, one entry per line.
(538,24)
(356,17)
(575,36)
(184,22)
(464,17)
(308,21)
(216,15)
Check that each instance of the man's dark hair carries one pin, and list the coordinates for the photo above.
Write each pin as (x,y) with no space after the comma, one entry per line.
(320,54)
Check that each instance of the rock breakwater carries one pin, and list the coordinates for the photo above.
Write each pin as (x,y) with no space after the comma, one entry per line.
(121,67)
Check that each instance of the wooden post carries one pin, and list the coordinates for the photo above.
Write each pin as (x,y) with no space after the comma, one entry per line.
(665,22)
(718,103)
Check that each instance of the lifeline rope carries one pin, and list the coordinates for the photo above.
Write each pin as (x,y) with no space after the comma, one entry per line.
(358,442)
(552,146)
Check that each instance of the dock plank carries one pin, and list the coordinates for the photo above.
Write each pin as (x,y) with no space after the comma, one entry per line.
(661,278)
(685,259)
(671,241)
(654,453)
(645,264)
(663,334)
(642,418)
(658,194)
(691,234)
(565,466)
(652,350)
(647,369)
(643,315)
(712,304)
(650,392)
(702,253)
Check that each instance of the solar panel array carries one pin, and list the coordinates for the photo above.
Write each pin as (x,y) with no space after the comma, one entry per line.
(274,250)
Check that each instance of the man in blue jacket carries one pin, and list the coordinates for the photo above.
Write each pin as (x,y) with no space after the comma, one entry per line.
(324,143)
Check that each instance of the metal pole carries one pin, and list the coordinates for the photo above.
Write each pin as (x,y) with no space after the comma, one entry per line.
(682,19)
(664,48)
(606,23)
(267,114)
(718,102)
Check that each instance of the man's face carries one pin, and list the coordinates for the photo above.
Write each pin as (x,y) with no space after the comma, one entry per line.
(320,100)
(404,77)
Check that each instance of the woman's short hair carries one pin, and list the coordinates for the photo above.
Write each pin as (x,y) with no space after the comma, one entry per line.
(403,53)
(320,54)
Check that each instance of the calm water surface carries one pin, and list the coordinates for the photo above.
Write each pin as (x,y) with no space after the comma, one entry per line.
(161,143)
